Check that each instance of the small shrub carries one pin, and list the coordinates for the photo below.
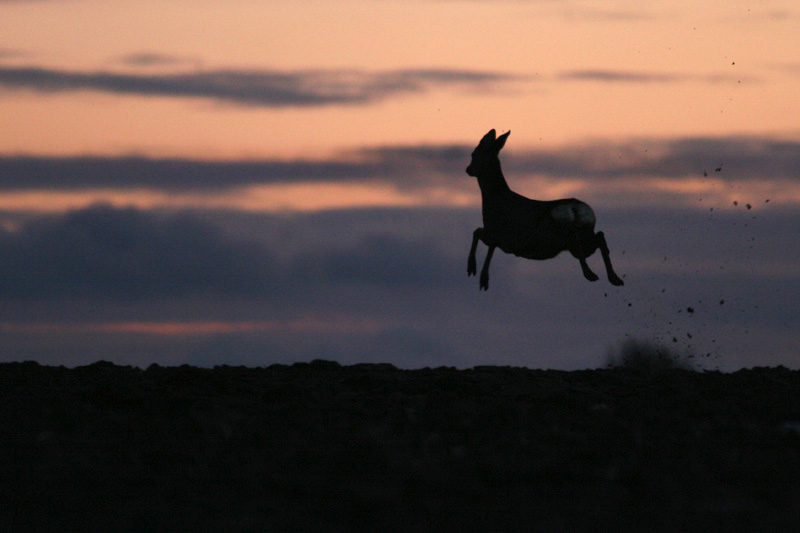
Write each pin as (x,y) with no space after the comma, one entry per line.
(646,356)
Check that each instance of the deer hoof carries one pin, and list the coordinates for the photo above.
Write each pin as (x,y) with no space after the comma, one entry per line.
(615,280)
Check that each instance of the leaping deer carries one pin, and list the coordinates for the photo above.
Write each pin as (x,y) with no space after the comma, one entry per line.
(527,228)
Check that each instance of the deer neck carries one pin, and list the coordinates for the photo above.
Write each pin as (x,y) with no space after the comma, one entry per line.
(492,182)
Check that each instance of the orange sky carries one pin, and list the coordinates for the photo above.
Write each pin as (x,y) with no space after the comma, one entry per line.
(730,65)
(576,71)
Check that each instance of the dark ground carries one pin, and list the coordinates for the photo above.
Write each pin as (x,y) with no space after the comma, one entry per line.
(321,447)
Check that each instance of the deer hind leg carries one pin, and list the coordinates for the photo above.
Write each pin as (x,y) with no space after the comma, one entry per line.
(587,272)
(582,254)
(601,243)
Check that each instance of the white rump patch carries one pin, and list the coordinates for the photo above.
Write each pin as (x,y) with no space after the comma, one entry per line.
(585,215)
(563,213)
(576,213)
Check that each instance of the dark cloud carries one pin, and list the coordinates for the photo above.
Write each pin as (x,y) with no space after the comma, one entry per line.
(106,252)
(265,88)
(753,158)
(746,158)
(402,275)
(6,53)
(152,59)
(89,172)
(380,259)
(619,76)
(124,253)
(792,68)
(402,166)
(615,76)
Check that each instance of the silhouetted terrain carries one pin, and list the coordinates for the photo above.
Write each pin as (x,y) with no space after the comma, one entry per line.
(321,447)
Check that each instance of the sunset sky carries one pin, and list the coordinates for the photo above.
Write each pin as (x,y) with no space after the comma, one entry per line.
(257,182)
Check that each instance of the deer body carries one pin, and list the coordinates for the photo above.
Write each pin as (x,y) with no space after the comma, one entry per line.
(527,228)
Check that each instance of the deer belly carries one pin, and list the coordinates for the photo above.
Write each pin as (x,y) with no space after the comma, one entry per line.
(532,249)
(536,252)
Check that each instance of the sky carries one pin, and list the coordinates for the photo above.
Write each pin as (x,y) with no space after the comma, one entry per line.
(253,182)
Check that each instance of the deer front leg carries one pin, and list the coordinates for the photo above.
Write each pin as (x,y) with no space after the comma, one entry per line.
(472,264)
(612,276)
(485,270)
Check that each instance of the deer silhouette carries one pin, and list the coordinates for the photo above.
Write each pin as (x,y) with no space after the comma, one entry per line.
(528,228)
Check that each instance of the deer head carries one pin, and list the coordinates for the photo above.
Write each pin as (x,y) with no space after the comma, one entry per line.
(484,157)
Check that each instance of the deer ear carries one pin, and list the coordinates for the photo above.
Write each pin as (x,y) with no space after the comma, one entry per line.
(488,138)
(501,141)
